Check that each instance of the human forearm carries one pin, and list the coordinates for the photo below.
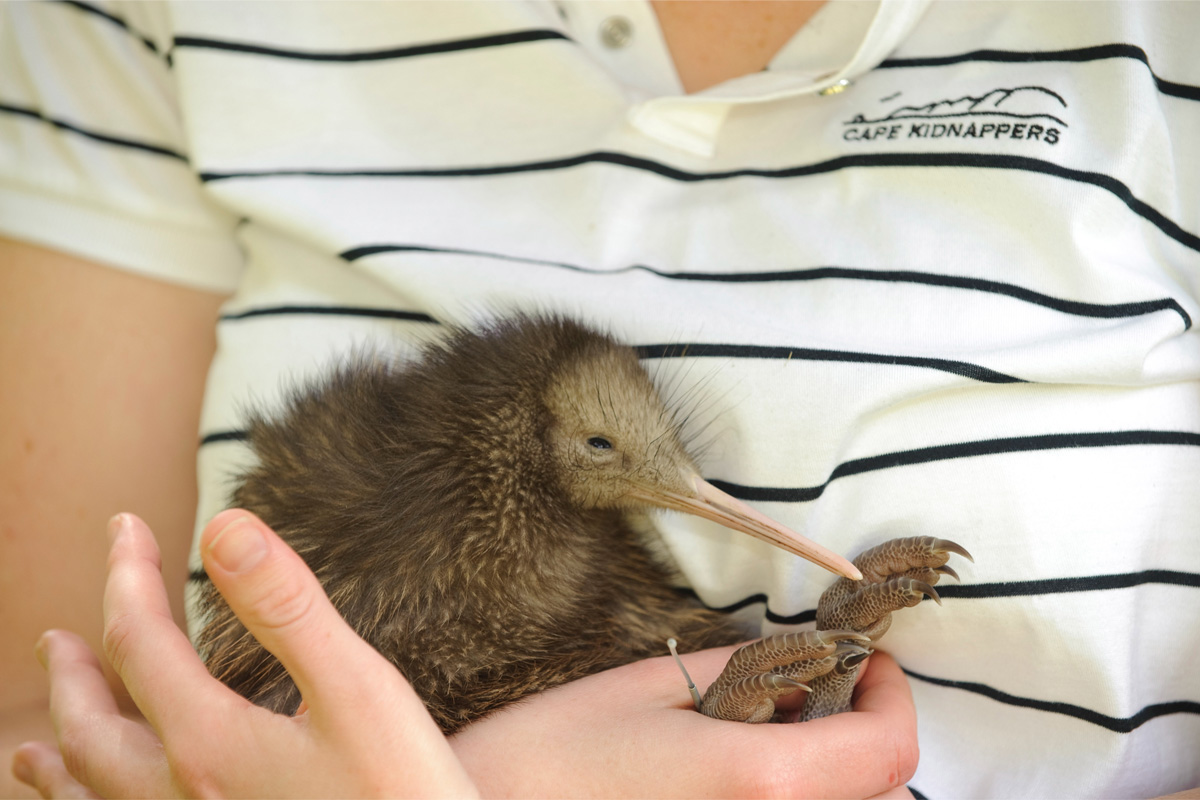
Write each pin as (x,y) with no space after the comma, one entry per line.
(98,413)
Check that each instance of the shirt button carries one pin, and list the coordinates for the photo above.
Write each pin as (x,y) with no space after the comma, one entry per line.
(615,32)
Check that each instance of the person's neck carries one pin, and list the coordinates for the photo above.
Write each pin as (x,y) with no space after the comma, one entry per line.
(717,40)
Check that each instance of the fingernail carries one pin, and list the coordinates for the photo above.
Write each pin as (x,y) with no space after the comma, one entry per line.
(115,526)
(239,546)
(39,650)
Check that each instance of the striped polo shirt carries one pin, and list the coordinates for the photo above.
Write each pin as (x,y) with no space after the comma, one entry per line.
(934,271)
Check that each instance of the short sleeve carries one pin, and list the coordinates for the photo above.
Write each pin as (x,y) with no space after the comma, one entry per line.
(93,150)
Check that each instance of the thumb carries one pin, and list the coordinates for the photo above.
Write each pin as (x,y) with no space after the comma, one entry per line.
(281,602)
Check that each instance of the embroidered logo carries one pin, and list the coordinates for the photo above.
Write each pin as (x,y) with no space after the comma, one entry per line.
(1030,113)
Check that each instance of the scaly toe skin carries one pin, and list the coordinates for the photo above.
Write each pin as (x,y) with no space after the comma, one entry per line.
(762,671)
(868,608)
(850,616)
(898,556)
(751,699)
(896,574)
(831,693)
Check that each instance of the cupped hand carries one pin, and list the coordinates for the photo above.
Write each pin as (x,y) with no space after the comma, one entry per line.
(632,732)
(362,730)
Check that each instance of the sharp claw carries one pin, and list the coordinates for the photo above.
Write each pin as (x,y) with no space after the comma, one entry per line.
(947,570)
(782,682)
(953,547)
(837,637)
(848,649)
(925,589)
(850,656)
(854,659)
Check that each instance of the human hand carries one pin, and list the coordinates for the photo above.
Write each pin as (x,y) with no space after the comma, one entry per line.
(628,731)
(362,731)
(632,731)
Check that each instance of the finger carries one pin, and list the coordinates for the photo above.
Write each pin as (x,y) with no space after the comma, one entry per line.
(281,602)
(154,658)
(76,674)
(40,765)
(101,749)
(883,689)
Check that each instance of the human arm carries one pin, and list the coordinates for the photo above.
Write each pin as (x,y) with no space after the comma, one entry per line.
(100,406)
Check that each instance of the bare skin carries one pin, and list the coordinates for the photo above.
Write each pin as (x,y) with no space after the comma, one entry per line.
(712,42)
(103,417)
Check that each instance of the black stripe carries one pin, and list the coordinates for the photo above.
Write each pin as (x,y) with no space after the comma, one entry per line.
(1087,583)
(337,311)
(223,436)
(99,137)
(973,591)
(952,160)
(1077,55)
(694,350)
(947,452)
(88,8)
(926,455)
(993,590)
(916,795)
(458,45)
(655,351)
(197,575)
(1074,307)
(1115,724)
(1041,587)
(799,618)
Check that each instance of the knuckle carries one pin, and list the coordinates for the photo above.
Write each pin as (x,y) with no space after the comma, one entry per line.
(284,605)
(191,773)
(51,785)
(119,630)
(74,745)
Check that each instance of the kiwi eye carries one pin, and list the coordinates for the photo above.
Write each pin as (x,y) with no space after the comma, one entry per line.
(600,443)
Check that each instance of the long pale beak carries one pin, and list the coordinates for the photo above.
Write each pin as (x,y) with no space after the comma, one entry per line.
(711,503)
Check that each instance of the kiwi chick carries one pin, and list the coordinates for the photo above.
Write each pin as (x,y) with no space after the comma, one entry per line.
(469,514)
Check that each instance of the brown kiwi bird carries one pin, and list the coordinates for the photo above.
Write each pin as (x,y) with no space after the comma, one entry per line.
(472,514)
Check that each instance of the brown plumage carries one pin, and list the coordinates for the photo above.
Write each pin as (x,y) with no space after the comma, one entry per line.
(470,515)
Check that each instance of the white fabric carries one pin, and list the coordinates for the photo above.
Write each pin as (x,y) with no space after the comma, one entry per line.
(1004,192)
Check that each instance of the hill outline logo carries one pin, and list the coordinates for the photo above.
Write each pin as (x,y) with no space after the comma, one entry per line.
(1030,113)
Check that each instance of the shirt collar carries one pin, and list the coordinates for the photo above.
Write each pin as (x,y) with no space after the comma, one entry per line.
(841,42)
